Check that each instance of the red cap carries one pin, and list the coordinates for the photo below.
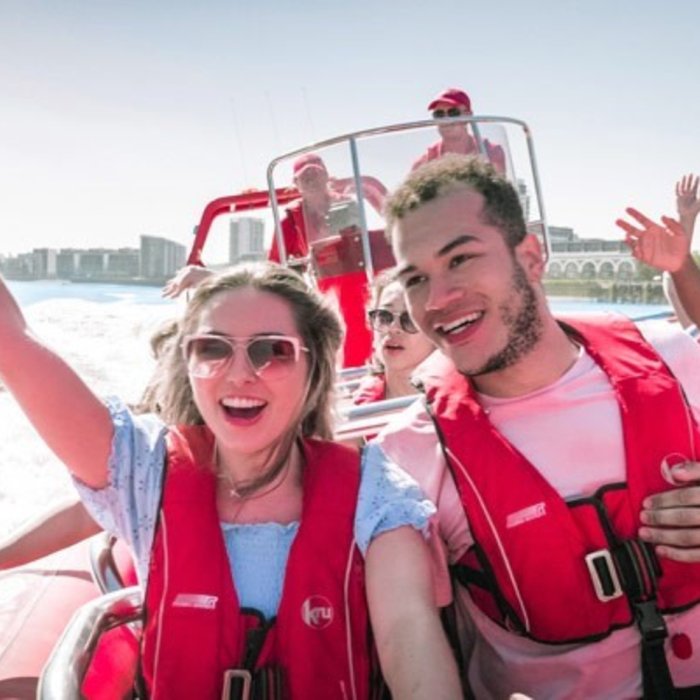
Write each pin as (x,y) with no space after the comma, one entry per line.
(308,160)
(452,96)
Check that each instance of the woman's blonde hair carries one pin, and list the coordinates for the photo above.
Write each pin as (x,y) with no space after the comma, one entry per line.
(317,324)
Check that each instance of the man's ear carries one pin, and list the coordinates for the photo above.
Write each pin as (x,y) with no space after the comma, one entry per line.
(531,257)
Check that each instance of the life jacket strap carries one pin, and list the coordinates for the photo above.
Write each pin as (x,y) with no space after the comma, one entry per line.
(639,569)
(656,676)
(266,683)
(632,569)
(604,576)
(238,683)
(248,682)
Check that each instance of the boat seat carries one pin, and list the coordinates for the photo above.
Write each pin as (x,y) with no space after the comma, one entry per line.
(97,655)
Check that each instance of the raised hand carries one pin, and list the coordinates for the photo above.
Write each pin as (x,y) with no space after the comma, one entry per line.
(185,278)
(671,520)
(687,201)
(665,246)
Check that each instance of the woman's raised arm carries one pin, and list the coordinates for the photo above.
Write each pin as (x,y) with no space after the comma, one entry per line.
(73,422)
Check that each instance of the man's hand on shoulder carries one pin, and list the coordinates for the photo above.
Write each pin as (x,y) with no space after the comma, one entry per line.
(671,520)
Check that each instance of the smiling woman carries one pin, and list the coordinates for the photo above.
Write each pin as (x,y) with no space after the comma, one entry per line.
(242,463)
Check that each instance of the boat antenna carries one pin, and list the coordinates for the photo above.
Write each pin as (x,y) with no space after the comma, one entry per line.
(239,142)
(274,122)
(312,129)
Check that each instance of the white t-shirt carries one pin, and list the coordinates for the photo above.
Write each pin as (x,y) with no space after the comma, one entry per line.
(572,432)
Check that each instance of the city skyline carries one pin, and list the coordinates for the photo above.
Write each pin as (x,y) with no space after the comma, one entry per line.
(124,118)
(156,258)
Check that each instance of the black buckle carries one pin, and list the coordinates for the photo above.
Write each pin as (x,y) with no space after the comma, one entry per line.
(240,682)
(649,621)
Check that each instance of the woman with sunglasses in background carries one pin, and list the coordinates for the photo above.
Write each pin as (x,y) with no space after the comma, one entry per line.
(397,345)
(243,518)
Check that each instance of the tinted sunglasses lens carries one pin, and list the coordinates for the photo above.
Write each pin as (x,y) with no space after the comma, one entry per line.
(380,318)
(451,112)
(407,323)
(205,356)
(271,353)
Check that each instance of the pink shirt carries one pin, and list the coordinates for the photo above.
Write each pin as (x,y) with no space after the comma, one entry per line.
(581,408)
(495,154)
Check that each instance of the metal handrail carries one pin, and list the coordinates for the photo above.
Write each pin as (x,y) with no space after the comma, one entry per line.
(105,571)
(352,138)
(378,407)
(366,420)
(64,672)
(351,373)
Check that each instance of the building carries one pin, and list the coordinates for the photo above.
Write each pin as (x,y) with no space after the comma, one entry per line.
(67,263)
(156,260)
(97,263)
(19,267)
(124,262)
(92,263)
(44,263)
(160,258)
(561,234)
(246,240)
(588,258)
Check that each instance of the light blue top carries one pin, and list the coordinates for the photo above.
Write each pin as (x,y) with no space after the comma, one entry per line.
(128,507)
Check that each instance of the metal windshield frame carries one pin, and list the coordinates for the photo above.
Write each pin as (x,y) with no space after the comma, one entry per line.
(352,138)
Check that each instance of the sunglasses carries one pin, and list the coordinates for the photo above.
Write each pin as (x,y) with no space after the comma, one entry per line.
(383,319)
(273,356)
(451,112)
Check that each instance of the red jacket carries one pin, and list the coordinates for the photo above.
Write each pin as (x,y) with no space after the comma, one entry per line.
(371,388)
(495,154)
(528,568)
(195,628)
(350,290)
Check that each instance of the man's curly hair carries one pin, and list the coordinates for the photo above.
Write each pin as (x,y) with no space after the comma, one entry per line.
(439,177)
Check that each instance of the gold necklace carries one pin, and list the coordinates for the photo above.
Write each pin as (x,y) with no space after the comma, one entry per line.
(234,491)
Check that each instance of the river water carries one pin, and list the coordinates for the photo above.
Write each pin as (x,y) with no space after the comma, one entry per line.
(102,331)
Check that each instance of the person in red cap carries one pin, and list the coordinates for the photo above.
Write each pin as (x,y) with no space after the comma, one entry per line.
(306,222)
(455,137)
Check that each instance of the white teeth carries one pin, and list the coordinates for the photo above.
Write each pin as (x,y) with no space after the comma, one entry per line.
(241,402)
(457,325)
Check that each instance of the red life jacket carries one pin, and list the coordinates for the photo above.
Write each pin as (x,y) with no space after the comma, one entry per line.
(494,153)
(294,234)
(528,569)
(372,388)
(195,629)
(350,289)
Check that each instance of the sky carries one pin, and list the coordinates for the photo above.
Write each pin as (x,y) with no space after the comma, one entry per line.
(125,118)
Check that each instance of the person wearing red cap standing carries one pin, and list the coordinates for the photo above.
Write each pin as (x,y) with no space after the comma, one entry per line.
(304,224)
(305,220)
(455,137)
